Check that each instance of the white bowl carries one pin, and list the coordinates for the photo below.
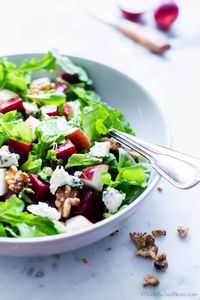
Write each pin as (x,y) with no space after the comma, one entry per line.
(149,123)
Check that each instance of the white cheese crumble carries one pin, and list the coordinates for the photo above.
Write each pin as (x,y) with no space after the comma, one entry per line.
(112,199)
(30,108)
(7,158)
(100,149)
(6,95)
(44,210)
(40,83)
(61,177)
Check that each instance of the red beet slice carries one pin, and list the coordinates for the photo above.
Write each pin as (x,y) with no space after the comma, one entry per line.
(67,109)
(6,196)
(61,87)
(91,206)
(40,188)
(79,139)
(20,147)
(12,104)
(50,110)
(70,78)
(65,150)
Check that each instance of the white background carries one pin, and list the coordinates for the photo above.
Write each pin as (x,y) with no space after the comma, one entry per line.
(112,271)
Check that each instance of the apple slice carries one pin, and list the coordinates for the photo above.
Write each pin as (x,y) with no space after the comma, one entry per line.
(61,87)
(65,150)
(91,206)
(79,139)
(91,176)
(67,109)
(6,95)
(76,223)
(40,188)
(3,186)
(50,110)
(33,123)
(12,104)
(20,147)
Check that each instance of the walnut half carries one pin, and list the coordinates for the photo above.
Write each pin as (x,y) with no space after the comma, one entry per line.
(150,280)
(16,180)
(65,199)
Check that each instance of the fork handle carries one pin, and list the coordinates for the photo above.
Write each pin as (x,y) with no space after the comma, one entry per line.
(149,38)
(181,170)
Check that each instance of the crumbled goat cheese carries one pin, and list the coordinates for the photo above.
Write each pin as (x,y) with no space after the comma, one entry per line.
(7,158)
(6,95)
(44,210)
(30,108)
(40,83)
(100,149)
(112,199)
(60,177)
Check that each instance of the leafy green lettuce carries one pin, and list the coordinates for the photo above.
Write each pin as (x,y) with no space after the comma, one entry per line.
(15,222)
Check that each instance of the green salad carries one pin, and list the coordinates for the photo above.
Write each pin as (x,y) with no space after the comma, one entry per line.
(59,169)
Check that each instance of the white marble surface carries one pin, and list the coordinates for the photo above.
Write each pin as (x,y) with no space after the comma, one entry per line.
(112,271)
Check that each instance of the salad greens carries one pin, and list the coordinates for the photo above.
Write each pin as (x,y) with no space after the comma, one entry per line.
(53,149)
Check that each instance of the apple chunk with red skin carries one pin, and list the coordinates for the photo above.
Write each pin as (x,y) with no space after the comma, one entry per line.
(65,150)
(79,139)
(67,109)
(91,205)
(20,147)
(12,104)
(91,176)
(50,110)
(61,87)
(77,222)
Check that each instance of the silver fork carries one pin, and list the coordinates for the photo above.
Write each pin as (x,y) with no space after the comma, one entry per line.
(181,170)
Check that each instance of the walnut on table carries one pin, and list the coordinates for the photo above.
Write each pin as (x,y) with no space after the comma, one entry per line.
(65,199)
(145,244)
(150,280)
(182,231)
(16,180)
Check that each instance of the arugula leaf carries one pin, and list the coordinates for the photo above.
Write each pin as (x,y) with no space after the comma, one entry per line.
(46,174)
(136,174)
(69,67)
(27,225)
(88,96)
(46,63)
(82,160)
(125,160)
(22,131)
(32,165)
(47,98)
(12,116)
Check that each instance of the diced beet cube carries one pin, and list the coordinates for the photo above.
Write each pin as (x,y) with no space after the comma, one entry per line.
(12,104)
(71,78)
(20,147)
(61,87)
(40,188)
(50,110)
(65,150)
(79,139)
(6,196)
(67,109)
(91,206)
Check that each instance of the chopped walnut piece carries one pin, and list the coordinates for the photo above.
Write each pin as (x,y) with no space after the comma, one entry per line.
(150,252)
(142,240)
(150,280)
(114,146)
(65,199)
(85,260)
(160,262)
(114,232)
(41,85)
(159,232)
(16,180)
(183,231)
(160,189)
